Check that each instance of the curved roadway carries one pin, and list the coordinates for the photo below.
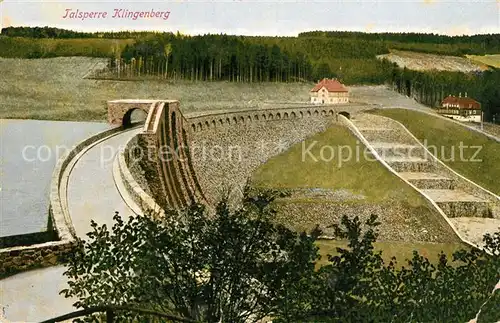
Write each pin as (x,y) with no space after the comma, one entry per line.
(91,193)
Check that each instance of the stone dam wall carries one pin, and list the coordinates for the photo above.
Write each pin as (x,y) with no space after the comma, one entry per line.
(223,148)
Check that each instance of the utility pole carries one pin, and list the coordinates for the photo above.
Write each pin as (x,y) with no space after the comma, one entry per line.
(482,118)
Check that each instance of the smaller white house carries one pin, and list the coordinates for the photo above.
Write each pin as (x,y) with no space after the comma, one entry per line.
(329,91)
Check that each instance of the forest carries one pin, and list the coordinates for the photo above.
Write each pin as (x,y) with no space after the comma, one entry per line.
(431,43)
(348,56)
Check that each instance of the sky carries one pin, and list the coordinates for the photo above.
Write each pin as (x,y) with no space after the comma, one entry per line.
(257,17)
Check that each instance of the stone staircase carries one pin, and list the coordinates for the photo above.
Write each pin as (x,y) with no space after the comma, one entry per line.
(456,198)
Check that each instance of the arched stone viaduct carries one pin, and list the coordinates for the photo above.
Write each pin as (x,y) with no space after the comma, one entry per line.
(164,142)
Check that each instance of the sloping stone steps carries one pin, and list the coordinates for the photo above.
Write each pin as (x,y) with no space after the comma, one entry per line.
(428,180)
(410,160)
(409,164)
(384,134)
(390,149)
(376,134)
(457,203)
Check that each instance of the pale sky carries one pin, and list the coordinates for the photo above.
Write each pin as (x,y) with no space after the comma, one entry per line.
(254,17)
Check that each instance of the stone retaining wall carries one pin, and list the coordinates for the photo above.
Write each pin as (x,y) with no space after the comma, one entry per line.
(224,158)
(134,180)
(398,221)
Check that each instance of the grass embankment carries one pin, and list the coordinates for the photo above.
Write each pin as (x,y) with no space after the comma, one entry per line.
(490,60)
(402,251)
(479,157)
(54,89)
(359,177)
(20,47)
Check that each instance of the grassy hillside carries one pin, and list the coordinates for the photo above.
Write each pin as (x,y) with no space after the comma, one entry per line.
(357,183)
(447,137)
(323,185)
(359,175)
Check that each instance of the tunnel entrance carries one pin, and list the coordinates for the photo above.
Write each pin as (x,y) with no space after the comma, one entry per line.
(134,117)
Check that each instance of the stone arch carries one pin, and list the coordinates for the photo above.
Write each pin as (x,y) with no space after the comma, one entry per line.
(127,119)
(301,114)
(285,115)
(293,115)
(249,118)
(242,119)
(193,126)
(278,116)
(264,117)
(323,113)
(213,123)
(330,112)
(207,125)
(256,117)
(221,122)
(228,121)
(270,117)
(308,113)
(316,113)
(200,127)
(235,121)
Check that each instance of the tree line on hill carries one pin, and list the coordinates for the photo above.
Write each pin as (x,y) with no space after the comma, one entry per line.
(247,59)
(441,44)
(52,32)
(238,265)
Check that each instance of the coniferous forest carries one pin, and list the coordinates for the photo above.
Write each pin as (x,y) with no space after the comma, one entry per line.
(348,56)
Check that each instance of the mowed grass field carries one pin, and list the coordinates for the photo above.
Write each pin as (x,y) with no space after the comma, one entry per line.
(479,157)
(54,89)
(357,176)
(490,60)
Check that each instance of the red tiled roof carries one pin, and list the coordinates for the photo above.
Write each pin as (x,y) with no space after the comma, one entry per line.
(330,86)
(463,103)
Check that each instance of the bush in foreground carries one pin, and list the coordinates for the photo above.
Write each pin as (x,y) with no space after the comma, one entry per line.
(239,266)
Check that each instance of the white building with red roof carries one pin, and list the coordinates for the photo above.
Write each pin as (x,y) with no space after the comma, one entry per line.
(461,108)
(329,91)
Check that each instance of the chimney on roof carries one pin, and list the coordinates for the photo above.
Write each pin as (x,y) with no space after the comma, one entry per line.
(460,94)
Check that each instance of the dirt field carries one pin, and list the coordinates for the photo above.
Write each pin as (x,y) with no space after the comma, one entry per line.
(424,62)
(54,89)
